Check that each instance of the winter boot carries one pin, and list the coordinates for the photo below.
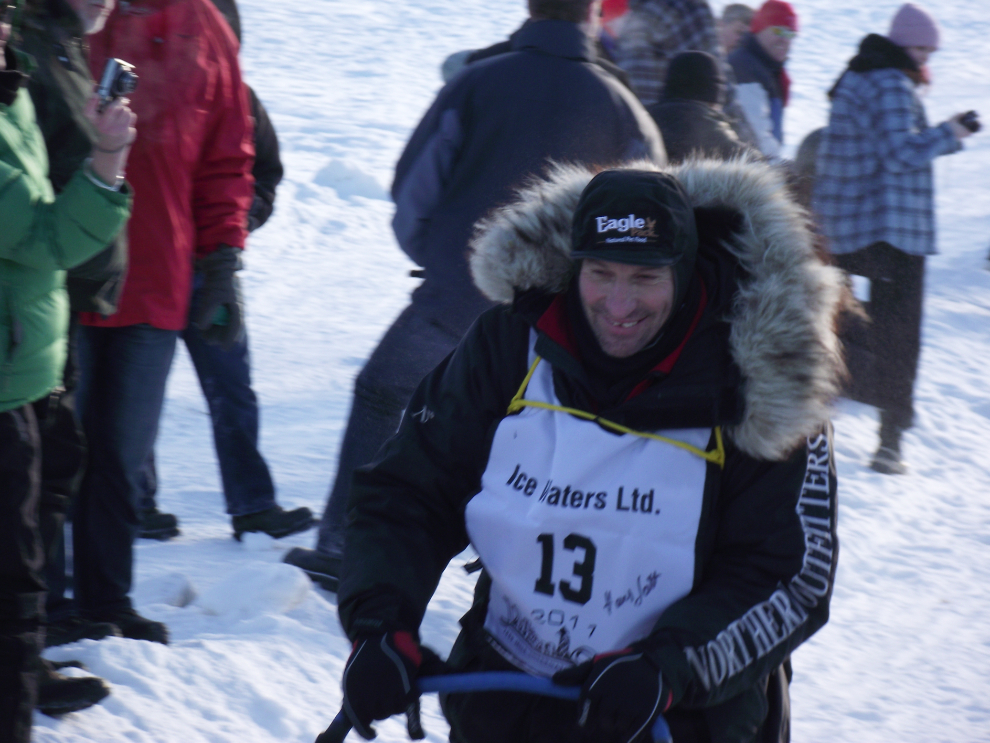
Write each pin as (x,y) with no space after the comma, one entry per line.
(157,525)
(59,695)
(75,628)
(322,569)
(887,460)
(136,627)
(274,522)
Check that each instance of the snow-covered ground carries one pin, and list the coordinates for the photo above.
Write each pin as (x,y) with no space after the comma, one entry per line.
(257,654)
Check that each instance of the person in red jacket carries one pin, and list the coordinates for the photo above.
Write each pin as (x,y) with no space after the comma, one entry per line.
(190,169)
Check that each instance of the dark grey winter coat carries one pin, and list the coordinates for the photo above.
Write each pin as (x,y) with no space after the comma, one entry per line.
(494,125)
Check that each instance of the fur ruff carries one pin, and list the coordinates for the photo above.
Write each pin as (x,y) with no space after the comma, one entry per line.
(783,317)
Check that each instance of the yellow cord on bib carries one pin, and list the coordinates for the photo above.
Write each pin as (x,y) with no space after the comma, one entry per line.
(518,402)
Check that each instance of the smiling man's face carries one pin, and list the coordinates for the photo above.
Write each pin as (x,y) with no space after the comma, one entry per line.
(625,305)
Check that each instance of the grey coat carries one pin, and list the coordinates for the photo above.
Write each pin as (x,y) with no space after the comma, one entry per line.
(874,166)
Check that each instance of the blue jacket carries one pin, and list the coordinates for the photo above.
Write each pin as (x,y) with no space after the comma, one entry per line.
(874,166)
(499,121)
(760,92)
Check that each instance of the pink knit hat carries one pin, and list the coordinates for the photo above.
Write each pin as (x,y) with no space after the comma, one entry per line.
(912,26)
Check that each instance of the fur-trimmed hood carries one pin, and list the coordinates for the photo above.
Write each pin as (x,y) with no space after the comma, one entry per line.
(782,321)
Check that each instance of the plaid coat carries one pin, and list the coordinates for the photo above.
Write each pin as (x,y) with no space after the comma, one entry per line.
(874,167)
(653,32)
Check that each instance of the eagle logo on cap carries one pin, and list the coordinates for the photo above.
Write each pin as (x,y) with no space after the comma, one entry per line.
(648,231)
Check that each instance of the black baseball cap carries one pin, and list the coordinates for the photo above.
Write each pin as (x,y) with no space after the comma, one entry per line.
(639,217)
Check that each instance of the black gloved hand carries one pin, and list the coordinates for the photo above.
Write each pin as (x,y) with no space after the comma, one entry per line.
(219,308)
(379,679)
(258,214)
(621,695)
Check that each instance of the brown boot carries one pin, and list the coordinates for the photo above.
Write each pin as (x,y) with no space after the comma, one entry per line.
(58,694)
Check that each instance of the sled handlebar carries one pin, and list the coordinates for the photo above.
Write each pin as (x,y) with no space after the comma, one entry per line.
(461,683)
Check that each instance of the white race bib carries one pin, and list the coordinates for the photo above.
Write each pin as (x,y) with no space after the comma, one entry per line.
(587,535)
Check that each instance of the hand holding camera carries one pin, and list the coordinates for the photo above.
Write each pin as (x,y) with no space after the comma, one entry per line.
(114,122)
(965,124)
(117,81)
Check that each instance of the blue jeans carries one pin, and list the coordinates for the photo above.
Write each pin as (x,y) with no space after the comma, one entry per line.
(409,351)
(119,400)
(225,377)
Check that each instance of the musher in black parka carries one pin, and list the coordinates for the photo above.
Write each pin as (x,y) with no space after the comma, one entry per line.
(635,441)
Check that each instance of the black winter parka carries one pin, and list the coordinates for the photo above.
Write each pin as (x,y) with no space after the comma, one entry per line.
(766,546)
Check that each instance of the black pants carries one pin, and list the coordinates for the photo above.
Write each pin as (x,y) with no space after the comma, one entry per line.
(22,589)
(882,352)
(63,457)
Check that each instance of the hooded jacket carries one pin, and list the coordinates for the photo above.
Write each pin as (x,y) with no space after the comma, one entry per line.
(40,237)
(695,128)
(190,165)
(761,362)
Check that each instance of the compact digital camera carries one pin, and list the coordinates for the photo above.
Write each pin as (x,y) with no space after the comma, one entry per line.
(118,80)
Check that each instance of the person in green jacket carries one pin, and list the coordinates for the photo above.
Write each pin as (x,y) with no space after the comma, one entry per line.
(40,237)
(53,33)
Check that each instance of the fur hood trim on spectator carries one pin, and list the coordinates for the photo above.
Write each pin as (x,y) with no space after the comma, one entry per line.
(782,318)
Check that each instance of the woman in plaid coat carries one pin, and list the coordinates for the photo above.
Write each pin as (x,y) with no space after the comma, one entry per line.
(874,199)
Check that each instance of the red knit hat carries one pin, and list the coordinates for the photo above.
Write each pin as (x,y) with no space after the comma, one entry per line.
(774,13)
(612,9)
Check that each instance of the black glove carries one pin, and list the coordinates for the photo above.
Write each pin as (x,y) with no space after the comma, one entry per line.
(258,214)
(219,307)
(621,695)
(379,679)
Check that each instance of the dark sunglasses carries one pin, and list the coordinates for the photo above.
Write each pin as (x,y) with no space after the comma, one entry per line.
(7,12)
